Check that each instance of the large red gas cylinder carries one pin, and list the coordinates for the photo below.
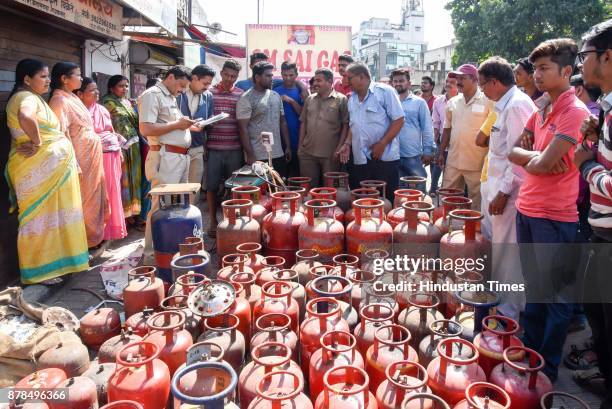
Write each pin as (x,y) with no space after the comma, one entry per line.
(367,231)
(288,396)
(329,193)
(252,193)
(238,226)
(415,183)
(338,349)
(267,357)
(498,334)
(251,250)
(323,314)
(252,292)
(448,204)
(276,298)
(443,193)
(439,330)
(381,186)
(322,270)
(419,315)
(138,324)
(270,265)
(275,327)
(414,237)
(351,392)
(280,227)
(481,395)
(204,384)
(359,193)
(467,242)
(322,232)
(140,376)
(391,344)
(233,263)
(298,293)
(522,380)
(223,330)
(449,375)
(397,215)
(144,290)
(372,317)
(338,288)
(241,308)
(99,325)
(404,378)
(167,331)
(303,197)
(305,260)
(552,400)
(340,181)
(45,378)
(421,400)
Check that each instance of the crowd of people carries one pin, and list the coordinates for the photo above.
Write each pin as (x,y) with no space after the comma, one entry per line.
(527,142)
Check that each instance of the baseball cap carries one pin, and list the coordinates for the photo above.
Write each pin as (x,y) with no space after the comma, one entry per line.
(465,69)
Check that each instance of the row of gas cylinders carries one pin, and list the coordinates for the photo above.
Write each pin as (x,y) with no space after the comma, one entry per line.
(333,220)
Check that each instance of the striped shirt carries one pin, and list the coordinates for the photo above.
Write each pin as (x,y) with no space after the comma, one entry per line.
(224,134)
(599,176)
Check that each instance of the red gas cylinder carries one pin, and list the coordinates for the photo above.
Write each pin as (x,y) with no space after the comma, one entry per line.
(72,358)
(443,193)
(238,226)
(345,265)
(381,186)
(360,279)
(222,330)
(45,378)
(265,200)
(252,292)
(419,315)
(397,215)
(305,260)
(167,331)
(267,357)
(323,314)
(391,344)
(285,397)
(138,324)
(360,193)
(301,181)
(204,384)
(322,232)
(186,283)
(414,182)
(368,231)
(252,193)
(467,242)
(373,258)
(498,334)
(552,400)
(323,270)
(123,404)
(481,395)
(340,181)
(280,227)
(439,330)
(351,392)
(404,378)
(99,325)
(372,317)
(338,349)
(329,193)
(179,303)
(144,290)
(303,197)
(241,308)
(275,327)
(233,263)
(276,298)
(81,393)
(449,204)
(423,400)
(450,375)
(340,289)
(523,381)
(271,264)
(372,295)
(415,237)
(298,293)
(140,376)
(255,260)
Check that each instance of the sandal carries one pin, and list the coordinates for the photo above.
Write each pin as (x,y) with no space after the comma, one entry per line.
(580,359)
(590,379)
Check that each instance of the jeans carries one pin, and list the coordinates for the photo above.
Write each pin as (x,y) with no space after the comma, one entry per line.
(412,166)
(436,172)
(379,170)
(545,323)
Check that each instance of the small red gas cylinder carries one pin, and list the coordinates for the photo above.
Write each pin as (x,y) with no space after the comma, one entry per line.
(72,358)
(322,232)
(368,231)
(306,259)
(81,393)
(238,226)
(372,317)
(397,214)
(322,270)
(167,331)
(340,181)
(233,263)
(204,384)
(417,183)
(443,193)
(276,298)
(138,324)
(498,334)
(359,193)
(351,392)
(448,204)
(252,193)
(404,378)
(108,350)
(288,396)
(337,349)
(481,395)
(330,194)
(381,186)
(99,325)
(252,292)
(140,376)
(144,290)
(179,303)
(280,227)
(391,344)
(301,181)
(450,375)
(522,379)
(270,265)
(45,378)
(275,327)
(251,250)
(186,283)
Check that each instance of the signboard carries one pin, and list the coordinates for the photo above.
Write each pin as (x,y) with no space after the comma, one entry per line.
(161,12)
(101,16)
(310,47)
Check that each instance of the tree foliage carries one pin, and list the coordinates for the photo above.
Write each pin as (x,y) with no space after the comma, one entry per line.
(512,28)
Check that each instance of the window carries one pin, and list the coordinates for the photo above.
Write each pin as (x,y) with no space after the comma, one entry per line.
(391,59)
(417,28)
(364,41)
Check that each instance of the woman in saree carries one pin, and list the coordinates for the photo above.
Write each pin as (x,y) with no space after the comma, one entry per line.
(111,146)
(77,124)
(125,122)
(44,183)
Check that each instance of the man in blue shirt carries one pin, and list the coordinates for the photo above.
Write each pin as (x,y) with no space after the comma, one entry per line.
(376,118)
(292,104)
(416,137)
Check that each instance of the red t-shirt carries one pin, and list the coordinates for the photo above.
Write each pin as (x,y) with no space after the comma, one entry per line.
(343,89)
(553,197)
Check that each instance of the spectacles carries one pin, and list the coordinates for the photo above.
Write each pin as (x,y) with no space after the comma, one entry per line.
(583,54)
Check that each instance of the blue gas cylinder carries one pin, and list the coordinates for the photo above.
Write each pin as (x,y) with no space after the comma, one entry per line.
(175,220)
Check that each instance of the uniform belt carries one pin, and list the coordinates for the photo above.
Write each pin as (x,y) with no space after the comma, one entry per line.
(170,148)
